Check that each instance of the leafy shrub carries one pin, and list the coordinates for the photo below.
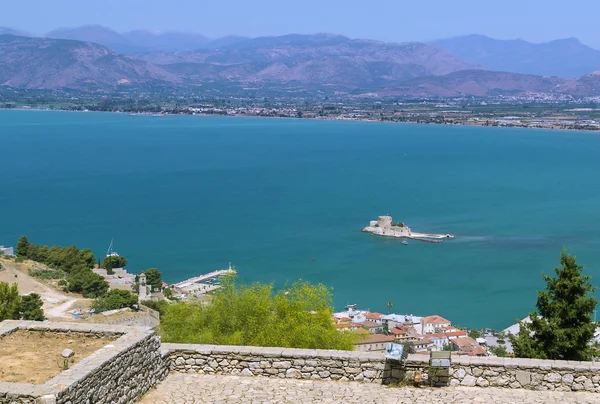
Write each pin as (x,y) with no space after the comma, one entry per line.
(297,316)
(158,305)
(115,299)
(47,274)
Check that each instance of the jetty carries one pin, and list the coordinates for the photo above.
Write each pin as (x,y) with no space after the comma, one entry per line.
(385,226)
(202,284)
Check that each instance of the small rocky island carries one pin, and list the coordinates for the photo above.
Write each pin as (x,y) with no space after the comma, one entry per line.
(384,226)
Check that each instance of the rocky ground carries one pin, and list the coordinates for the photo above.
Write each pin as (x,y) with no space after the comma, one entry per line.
(198,388)
(56,304)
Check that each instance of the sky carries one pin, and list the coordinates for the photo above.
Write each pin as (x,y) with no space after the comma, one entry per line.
(387,20)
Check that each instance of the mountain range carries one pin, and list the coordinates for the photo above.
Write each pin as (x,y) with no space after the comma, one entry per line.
(101,58)
(567,58)
(45,63)
(142,41)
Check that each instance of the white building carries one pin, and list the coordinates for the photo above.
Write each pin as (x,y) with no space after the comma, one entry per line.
(434,324)
(7,250)
(392,320)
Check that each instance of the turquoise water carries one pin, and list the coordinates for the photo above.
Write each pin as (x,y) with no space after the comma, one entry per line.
(190,194)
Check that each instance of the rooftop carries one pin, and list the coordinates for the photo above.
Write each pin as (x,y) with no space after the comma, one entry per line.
(435,319)
(375,339)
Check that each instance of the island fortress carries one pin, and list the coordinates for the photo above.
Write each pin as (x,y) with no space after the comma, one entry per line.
(384,226)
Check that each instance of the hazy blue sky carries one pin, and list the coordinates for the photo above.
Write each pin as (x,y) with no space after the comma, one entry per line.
(390,20)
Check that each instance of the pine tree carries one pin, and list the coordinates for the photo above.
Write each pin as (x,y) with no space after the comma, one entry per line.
(10,301)
(23,247)
(561,327)
(31,307)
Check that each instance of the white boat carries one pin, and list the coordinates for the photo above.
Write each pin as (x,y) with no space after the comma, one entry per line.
(404,242)
(110,252)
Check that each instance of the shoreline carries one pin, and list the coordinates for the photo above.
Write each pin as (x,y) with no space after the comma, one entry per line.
(159,115)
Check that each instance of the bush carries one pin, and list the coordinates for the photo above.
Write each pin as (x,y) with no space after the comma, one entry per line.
(31,307)
(158,305)
(114,262)
(115,299)
(499,351)
(298,316)
(47,274)
(86,282)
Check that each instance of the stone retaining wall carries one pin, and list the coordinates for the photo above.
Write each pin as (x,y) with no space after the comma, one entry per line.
(120,372)
(277,362)
(534,374)
(125,369)
(372,367)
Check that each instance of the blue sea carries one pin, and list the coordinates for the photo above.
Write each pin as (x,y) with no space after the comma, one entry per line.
(191,194)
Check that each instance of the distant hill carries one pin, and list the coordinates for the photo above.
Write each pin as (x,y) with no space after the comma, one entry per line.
(586,86)
(563,57)
(99,35)
(292,64)
(140,41)
(479,83)
(311,59)
(10,31)
(44,63)
(168,41)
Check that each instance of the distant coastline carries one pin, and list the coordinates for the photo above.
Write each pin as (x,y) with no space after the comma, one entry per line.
(316,118)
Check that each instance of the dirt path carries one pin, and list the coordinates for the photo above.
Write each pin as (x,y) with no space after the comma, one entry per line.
(56,304)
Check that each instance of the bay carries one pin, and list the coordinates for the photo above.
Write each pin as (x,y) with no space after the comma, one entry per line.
(191,194)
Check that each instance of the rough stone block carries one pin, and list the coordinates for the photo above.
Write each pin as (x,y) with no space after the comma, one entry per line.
(468,381)
(524,378)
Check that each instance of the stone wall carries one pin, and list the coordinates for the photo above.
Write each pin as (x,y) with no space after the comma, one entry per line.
(372,367)
(277,362)
(120,372)
(125,369)
(533,374)
(146,317)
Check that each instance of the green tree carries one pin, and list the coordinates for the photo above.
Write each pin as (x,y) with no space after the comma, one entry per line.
(500,351)
(109,267)
(10,301)
(167,293)
(115,299)
(88,283)
(23,247)
(154,278)
(31,307)
(158,305)
(297,316)
(114,261)
(473,333)
(561,327)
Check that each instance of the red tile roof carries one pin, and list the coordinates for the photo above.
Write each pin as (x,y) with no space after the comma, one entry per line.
(370,324)
(465,342)
(434,320)
(377,338)
(456,334)
(472,351)
(376,316)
